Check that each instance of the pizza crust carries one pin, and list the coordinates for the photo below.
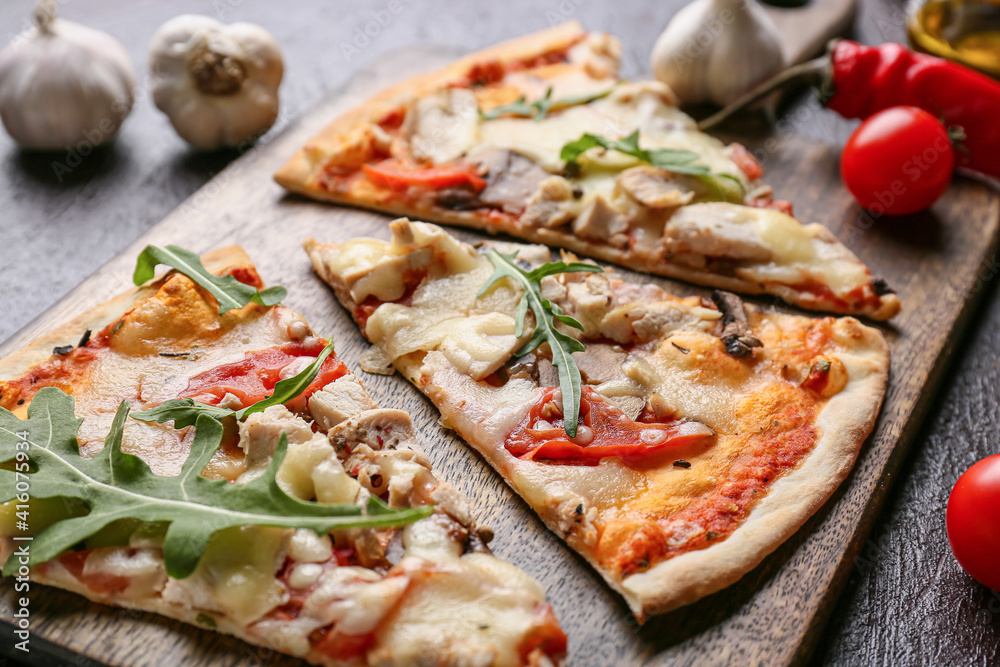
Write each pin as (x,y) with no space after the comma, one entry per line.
(299,175)
(296,174)
(40,349)
(846,421)
(842,423)
(889,306)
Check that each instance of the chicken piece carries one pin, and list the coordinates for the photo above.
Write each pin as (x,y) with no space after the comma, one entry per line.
(600,54)
(589,301)
(443,126)
(341,399)
(715,230)
(600,221)
(553,205)
(260,433)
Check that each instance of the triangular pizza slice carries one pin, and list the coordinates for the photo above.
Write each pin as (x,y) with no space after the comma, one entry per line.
(146,467)
(539,138)
(672,442)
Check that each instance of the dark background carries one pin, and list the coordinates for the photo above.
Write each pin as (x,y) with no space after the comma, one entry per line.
(908,602)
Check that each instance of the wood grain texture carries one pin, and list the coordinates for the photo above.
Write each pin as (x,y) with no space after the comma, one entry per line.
(774,615)
(806,30)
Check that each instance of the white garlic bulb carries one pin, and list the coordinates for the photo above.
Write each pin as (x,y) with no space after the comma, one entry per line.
(715,50)
(217,83)
(63,84)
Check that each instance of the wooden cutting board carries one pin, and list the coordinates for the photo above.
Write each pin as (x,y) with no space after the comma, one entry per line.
(938,261)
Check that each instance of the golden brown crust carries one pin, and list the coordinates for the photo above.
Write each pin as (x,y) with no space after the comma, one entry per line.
(94,319)
(834,434)
(845,421)
(301,174)
(888,307)
(296,174)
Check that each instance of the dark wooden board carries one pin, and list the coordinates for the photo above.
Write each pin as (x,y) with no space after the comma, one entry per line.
(772,616)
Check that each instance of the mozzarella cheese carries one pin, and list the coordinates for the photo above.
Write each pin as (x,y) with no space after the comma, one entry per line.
(236,581)
(667,357)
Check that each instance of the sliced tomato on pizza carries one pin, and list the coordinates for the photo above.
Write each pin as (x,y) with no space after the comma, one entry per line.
(182,461)
(539,138)
(672,442)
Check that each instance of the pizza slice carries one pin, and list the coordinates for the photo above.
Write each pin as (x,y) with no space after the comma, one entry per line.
(315,527)
(539,138)
(672,442)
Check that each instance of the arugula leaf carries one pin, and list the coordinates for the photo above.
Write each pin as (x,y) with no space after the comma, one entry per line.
(546,313)
(672,159)
(541,107)
(185,411)
(726,187)
(115,485)
(229,292)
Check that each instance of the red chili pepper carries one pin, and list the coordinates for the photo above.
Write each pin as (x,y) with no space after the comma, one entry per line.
(857,81)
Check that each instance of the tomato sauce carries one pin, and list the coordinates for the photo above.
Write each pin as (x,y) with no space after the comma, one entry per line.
(253,379)
(545,635)
(100,583)
(777,449)
(540,435)
(61,372)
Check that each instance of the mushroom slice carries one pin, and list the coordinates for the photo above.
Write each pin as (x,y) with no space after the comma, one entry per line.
(381,428)
(657,188)
(511,179)
(736,334)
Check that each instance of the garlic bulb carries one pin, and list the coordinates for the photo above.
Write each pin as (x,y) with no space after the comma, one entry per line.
(715,50)
(63,84)
(217,83)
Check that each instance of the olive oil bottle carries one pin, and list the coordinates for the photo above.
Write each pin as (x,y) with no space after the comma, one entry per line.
(966,31)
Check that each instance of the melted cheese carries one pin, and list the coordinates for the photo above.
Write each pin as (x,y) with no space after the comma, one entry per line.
(639,106)
(471,609)
(434,605)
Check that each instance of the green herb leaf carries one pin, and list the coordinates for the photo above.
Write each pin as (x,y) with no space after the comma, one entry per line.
(228,291)
(185,411)
(546,313)
(675,160)
(115,485)
(726,187)
(540,108)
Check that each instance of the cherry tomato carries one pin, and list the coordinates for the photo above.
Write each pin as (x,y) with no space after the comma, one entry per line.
(898,161)
(973,520)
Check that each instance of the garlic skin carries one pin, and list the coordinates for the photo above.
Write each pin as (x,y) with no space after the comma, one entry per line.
(716,50)
(217,83)
(62,84)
